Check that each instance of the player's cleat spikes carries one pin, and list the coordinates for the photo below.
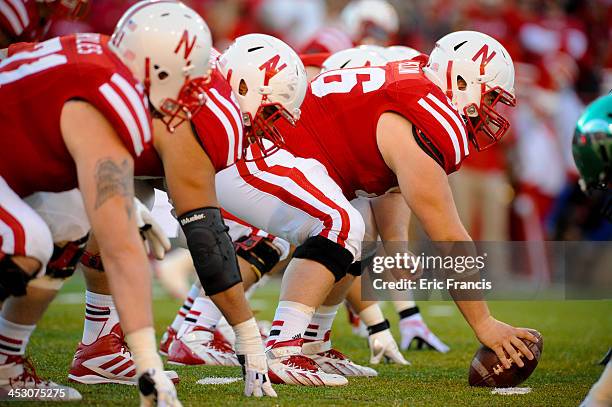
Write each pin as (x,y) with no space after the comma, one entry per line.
(287,365)
(107,360)
(166,340)
(201,347)
(332,361)
(18,373)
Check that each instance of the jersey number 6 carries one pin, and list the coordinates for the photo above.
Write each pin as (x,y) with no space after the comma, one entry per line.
(344,81)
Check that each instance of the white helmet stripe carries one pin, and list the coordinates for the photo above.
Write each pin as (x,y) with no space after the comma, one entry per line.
(455,116)
(447,126)
(124,113)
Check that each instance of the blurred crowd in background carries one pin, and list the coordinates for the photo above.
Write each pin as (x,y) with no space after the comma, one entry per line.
(524,188)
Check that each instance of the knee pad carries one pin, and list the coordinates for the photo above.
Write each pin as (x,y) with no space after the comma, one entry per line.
(13,280)
(211,249)
(258,252)
(334,257)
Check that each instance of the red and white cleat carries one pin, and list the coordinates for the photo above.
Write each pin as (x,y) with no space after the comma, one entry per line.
(332,361)
(18,377)
(287,365)
(201,347)
(107,360)
(166,340)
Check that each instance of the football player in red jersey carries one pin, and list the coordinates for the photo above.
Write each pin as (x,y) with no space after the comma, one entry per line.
(188,159)
(84,79)
(29,20)
(405,125)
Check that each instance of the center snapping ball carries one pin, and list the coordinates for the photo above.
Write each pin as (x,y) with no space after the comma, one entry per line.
(487,371)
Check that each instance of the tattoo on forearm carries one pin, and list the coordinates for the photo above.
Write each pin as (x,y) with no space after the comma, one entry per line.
(114,179)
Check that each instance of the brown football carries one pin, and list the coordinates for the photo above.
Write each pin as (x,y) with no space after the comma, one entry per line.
(487,371)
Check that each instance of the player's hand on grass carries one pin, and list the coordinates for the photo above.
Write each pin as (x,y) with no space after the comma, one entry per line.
(156,241)
(413,328)
(255,372)
(505,341)
(157,390)
(383,345)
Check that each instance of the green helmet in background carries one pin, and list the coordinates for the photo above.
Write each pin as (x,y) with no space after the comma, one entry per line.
(592,145)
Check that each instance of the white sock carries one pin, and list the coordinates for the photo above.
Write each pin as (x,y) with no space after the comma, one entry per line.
(203,313)
(372,315)
(13,338)
(319,328)
(194,292)
(100,316)
(290,322)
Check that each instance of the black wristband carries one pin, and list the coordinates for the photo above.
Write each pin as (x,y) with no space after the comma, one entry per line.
(409,312)
(379,327)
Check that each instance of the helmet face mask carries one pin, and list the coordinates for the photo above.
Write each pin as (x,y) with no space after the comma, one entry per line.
(485,124)
(190,100)
(71,9)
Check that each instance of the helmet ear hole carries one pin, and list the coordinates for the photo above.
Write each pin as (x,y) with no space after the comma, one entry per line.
(243,88)
(461,83)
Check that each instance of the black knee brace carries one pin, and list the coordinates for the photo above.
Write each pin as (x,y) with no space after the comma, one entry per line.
(336,258)
(13,280)
(259,252)
(65,259)
(211,248)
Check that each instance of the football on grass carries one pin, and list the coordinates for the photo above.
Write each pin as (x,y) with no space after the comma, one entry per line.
(487,371)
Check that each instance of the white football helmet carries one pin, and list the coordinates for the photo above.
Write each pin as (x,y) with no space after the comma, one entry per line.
(269,81)
(400,53)
(487,69)
(167,46)
(365,55)
(370,20)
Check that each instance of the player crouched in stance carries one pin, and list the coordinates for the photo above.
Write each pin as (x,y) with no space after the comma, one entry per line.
(404,125)
(188,160)
(91,124)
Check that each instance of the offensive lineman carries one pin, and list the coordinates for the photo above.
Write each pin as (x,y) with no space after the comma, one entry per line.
(85,80)
(374,129)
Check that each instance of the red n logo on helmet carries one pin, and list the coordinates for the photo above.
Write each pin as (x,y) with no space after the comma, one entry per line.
(185,41)
(486,58)
(271,67)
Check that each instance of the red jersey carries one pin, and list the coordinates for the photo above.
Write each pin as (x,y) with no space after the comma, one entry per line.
(340,114)
(34,86)
(217,126)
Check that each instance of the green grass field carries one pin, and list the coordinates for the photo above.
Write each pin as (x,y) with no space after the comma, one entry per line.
(576,335)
